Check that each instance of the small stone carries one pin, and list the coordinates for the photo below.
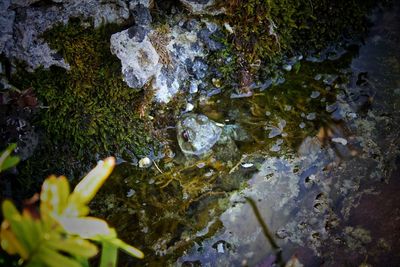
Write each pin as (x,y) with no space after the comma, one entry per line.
(302,125)
(144,162)
(331,108)
(228,28)
(200,165)
(193,88)
(315,94)
(247,165)
(220,248)
(189,107)
(318,77)
(311,116)
(352,115)
(130,193)
(340,140)
(267,113)
(287,67)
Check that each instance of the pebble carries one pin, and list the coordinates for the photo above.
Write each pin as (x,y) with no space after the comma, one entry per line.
(130,193)
(315,94)
(247,165)
(287,67)
(144,162)
(200,165)
(340,140)
(189,107)
(311,116)
(288,108)
(193,88)
(302,125)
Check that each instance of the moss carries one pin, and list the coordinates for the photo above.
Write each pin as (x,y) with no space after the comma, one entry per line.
(266,30)
(89,111)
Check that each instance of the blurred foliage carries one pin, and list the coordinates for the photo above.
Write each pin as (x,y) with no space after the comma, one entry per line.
(6,160)
(87,111)
(59,233)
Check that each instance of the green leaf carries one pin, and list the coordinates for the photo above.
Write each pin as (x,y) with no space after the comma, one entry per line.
(297,67)
(87,227)
(9,162)
(109,255)
(19,229)
(54,196)
(127,248)
(91,183)
(52,258)
(74,246)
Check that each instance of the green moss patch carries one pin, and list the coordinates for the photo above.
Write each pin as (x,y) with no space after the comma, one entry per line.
(88,112)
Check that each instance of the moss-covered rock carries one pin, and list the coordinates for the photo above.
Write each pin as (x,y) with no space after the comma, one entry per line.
(259,32)
(89,111)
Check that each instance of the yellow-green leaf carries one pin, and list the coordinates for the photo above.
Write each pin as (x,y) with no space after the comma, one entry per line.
(109,255)
(87,227)
(74,246)
(91,183)
(7,161)
(52,258)
(10,243)
(54,195)
(19,227)
(127,248)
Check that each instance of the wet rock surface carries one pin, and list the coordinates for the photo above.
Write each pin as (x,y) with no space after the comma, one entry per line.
(322,202)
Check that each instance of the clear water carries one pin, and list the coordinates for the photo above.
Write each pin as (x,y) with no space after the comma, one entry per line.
(320,163)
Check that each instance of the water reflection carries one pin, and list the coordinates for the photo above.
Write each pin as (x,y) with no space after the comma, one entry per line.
(316,152)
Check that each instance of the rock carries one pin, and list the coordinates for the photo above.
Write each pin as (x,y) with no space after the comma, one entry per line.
(171,56)
(202,7)
(139,59)
(197,134)
(206,34)
(137,33)
(141,15)
(22,3)
(144,163)
(199,68)
(6,23)
(20,34)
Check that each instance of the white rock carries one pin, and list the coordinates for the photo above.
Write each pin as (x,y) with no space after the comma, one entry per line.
(247,165)
(144,162)
(189,107)
(340,140)
(140,60)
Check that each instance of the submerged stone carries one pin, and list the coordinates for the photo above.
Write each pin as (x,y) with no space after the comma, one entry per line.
(197,134)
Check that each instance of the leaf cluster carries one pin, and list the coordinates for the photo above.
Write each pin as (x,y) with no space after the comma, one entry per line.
(61,233)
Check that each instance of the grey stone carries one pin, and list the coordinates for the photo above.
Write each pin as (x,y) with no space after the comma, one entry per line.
(137,33)
(6,25)
(139,59)
(141,15)
(202,7)
(20,37)
(197,134)
(199,68)
(205,35)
